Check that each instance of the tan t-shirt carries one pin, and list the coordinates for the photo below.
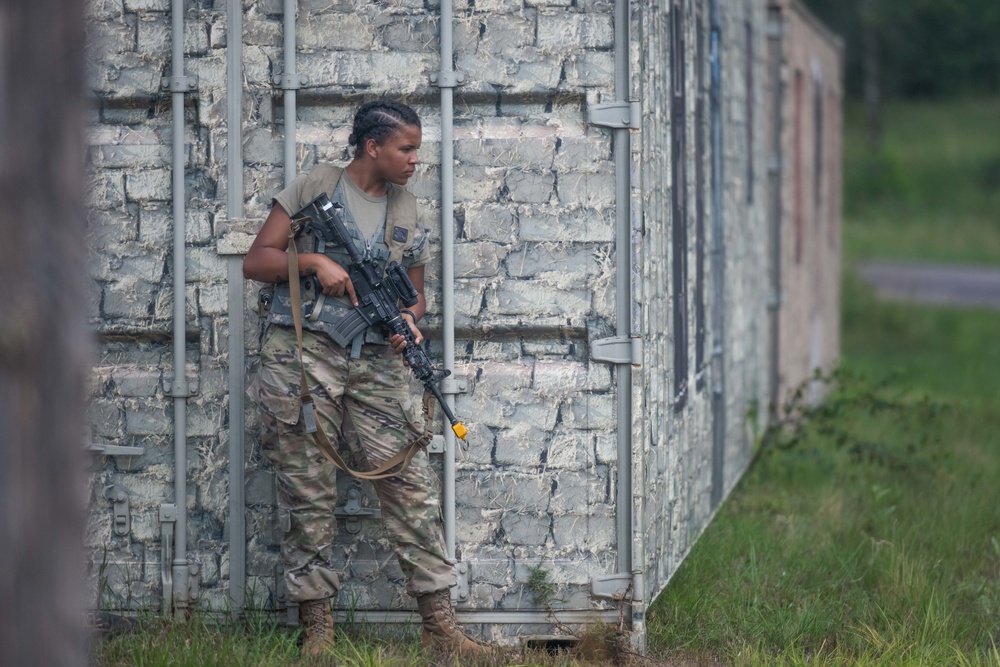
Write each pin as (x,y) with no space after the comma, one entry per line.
(368,212)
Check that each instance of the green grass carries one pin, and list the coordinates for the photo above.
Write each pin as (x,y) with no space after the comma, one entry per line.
(867,530)
(932,192)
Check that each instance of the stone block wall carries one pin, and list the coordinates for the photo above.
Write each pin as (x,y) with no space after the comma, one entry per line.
(811,119)
(534,287)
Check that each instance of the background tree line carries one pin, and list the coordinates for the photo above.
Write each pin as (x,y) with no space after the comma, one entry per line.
(917,48)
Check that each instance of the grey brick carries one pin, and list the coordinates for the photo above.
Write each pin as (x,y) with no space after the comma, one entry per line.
(148,268)
(343,31)
(522,445)
(591,411)
(489,222)
(128,299)
(105,191)
(213,299)
(148,418)
(553,376)
(583,532)
(147,6)
(591,69)
(578,489)
(411,33)
(477,184)
(502,33)
(592,151)
(561,31)
(530,187)
(154,34)
(111,36)
(478,259)
(106,417)
(526,529)
(261,145)
(108,228)
(534,260)
(136,381)
(589,190)
(149,185)
(535,152)
(570,450)
(205,265)
(531,297)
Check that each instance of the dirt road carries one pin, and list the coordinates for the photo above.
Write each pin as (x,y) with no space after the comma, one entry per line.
(976,286)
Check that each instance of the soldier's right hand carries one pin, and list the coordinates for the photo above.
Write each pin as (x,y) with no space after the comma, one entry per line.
(334,279)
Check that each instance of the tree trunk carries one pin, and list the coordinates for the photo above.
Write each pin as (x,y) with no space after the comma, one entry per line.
(872,75)
(44,339)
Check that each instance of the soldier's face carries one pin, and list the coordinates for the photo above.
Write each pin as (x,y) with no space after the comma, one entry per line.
(396,159)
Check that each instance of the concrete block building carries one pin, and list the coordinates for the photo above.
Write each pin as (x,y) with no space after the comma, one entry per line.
(603,188)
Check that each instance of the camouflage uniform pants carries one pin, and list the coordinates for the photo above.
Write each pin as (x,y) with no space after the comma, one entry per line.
(374,394)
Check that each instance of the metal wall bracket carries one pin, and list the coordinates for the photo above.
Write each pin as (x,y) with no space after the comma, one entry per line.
(281,596)
(450,79)
(179,84)
(353,512)
(454,386)
(120,507)
(194,580)
(114,450)
(182,389)
(618,350)
(436,445)
(168,517)
(460,593)
(289,81)
(616,115)
(611,586)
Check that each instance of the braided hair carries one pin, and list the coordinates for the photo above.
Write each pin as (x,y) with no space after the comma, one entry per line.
(379,119)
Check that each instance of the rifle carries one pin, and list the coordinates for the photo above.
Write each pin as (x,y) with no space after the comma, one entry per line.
(377,298)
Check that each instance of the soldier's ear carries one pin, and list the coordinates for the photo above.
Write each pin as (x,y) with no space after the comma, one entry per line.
(371,148)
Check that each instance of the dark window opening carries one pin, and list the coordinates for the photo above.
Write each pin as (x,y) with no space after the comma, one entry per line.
(699,197)
(678,153)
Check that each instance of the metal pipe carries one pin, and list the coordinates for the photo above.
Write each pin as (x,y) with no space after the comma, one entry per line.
(290,84)
(237,418)
(446,80)
(179,389)
(718,264)
(623,293)
(628,515)
(775,171)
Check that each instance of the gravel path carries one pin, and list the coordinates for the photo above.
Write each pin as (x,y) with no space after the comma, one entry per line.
(939,284)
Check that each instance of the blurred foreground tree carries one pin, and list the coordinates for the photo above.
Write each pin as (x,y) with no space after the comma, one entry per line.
(44,340)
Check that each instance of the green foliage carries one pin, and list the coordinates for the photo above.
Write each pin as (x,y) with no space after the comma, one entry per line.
(864,532)
(927,48)
(932,191)
(540,586)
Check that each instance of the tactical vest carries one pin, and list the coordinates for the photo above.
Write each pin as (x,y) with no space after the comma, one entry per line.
(324,313)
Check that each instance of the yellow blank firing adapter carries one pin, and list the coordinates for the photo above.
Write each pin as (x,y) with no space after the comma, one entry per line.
(460,430)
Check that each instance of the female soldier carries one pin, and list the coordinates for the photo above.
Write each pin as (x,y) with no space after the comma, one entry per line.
(359,384)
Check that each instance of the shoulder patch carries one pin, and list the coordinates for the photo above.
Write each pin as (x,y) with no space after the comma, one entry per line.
(400,234)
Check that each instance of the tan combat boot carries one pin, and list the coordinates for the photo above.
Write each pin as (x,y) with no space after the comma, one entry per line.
(440,629)
(317,625)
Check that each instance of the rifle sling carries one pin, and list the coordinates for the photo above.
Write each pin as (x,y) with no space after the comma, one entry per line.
(401,458)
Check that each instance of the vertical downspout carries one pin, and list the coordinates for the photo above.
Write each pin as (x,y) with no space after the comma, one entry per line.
(289,83)
(718,265)
(775,35)
(623,291)
(234,203)
(447,79)
(179,388)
